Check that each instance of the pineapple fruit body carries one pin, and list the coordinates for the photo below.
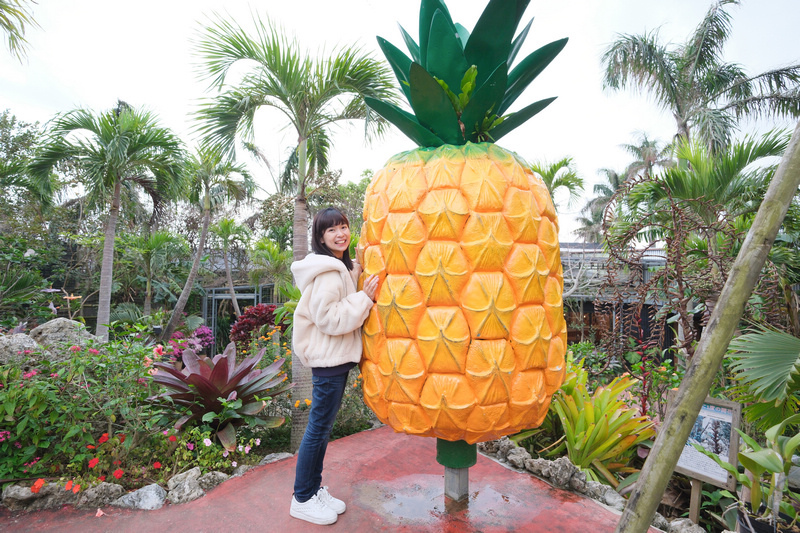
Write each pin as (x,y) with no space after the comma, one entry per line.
(467,338)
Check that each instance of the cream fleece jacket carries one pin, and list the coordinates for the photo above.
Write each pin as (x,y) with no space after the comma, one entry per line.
(330,313)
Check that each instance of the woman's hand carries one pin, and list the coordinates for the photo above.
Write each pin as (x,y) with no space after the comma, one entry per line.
(357,269)
(371,286)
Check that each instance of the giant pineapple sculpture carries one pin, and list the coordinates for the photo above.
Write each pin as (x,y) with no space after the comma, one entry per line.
(466,341)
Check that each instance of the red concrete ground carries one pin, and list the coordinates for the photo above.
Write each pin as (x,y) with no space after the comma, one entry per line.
(390,481)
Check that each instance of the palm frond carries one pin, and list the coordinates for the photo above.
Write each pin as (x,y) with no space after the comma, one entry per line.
(704,48)
(641,61)
(767,361)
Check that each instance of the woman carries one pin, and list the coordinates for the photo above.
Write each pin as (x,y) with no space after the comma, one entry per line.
(326,338)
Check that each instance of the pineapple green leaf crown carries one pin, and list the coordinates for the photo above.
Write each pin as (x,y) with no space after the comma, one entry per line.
(458,84)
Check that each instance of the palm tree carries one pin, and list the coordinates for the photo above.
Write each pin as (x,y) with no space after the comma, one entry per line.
(153,253)
(591,226)
(715,187)
(312,94)
(123,147)
(706,95)
(604,192)
(560,175)
(648,154)
(212,179)
(228,232)
(15,15)
(270,262)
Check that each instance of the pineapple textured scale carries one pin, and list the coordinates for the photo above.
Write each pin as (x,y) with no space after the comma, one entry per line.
(467,338)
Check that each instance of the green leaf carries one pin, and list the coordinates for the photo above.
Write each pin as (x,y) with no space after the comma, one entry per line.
(760,461)
(399,62)
(208,417)
(510,122)
(427,10)
(432,107)
(517,44)
(445,54)
(412,45)
(490,41)
(768,361)
(527,70)
(463,34)
(405,122)
(484,101)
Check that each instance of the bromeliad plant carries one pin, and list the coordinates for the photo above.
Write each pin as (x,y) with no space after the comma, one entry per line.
(601,430)
(221,393)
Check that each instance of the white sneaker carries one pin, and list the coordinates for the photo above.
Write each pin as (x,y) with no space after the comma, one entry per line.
(334,503)
(313,511)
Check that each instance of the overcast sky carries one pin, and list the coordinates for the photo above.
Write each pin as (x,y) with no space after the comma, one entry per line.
(89,53)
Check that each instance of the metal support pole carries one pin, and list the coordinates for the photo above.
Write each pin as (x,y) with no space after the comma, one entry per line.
(456,457)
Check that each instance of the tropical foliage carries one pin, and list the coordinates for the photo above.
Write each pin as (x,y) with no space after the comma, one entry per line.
(222,393)
(691,80)
(116,149)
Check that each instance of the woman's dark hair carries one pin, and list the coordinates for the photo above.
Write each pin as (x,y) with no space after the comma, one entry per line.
(328,217)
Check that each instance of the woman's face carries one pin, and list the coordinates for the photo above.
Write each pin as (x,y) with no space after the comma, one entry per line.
(337,239)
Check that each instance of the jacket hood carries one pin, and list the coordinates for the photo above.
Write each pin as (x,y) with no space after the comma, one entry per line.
(312,266)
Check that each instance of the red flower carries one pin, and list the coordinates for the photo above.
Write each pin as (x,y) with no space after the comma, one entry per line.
(76,488)
(117,462)
(37,486)
(121,438)
(68,486)
(172,438)
(156,465)
(117,473)
(103,438)
(91,446)
(93,462)
(102,478)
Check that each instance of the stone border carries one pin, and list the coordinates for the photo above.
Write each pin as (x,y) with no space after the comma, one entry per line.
(562,474)
(181,488)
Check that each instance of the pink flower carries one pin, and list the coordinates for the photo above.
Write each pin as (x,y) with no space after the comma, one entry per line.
(234,464)
(147,362)
(190,446)
(141,381)
(158,350)
(93,351)
(258,442)
(54,375)
(207,442)
(225,453)
(247,449)
(152,371)
(75,348)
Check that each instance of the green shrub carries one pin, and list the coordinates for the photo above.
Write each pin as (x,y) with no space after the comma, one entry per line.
(52,412)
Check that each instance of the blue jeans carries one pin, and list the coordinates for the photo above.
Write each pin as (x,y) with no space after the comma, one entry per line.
(326,399)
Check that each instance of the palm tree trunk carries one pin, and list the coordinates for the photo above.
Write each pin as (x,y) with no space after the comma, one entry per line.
(148,297)
(177,312)
(744,274)
(107,266)
(229,276)
(301,375)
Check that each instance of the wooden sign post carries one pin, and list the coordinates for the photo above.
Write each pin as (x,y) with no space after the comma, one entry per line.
(713,430)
